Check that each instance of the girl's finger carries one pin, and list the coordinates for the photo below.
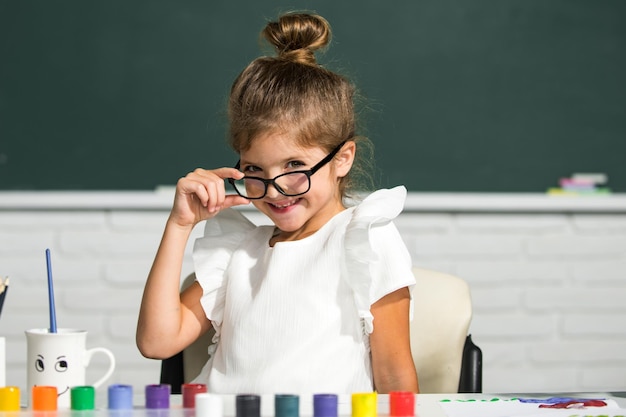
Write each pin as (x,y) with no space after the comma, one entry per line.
(188,188)
(220,195)
(226,173)
(213,202)
(233,200)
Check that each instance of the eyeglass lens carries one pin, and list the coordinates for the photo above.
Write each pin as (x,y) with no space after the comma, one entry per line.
(289,184)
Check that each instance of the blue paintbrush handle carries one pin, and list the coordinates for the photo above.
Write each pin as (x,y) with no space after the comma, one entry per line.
(53,316)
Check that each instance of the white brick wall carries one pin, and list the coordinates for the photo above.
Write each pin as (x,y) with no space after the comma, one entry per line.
(549,293)
(549,290)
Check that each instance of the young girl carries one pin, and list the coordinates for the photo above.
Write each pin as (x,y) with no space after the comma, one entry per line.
(320,301)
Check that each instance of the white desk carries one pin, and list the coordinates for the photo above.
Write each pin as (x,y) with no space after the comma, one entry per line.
(426,405)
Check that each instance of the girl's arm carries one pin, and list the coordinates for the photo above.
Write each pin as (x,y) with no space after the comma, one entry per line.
(168,320)
(392,362)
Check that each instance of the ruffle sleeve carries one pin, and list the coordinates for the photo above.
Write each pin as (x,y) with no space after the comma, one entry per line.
(376,259)
(211,256)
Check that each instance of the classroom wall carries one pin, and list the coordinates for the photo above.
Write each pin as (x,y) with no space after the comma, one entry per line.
(549,290)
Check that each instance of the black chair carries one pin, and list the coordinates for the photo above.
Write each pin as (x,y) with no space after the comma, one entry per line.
(172,372)
(471,379)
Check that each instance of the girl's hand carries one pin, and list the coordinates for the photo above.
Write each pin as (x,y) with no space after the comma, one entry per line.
(201,195)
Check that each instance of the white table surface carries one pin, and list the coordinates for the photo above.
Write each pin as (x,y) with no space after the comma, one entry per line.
(426,405)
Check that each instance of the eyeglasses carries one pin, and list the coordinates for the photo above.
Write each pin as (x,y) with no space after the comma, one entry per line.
(290,184)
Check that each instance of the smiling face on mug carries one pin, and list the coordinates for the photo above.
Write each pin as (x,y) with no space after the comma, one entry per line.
(60,360)
(53,365)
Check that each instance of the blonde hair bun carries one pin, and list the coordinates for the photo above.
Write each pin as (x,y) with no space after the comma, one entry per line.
(296,36)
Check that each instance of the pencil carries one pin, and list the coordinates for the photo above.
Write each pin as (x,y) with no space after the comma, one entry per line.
(4,288)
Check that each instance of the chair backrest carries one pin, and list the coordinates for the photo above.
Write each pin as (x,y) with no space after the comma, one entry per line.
(441,318)
(439,339)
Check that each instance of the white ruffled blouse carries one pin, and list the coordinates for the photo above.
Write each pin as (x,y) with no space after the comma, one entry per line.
(295,318)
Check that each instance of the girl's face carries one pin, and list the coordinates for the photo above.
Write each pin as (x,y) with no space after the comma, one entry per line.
(297,217)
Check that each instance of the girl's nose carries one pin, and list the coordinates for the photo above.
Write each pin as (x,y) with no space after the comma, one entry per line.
(272,192)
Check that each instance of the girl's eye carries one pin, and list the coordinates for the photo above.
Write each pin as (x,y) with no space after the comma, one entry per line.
(251,168)
(295,164)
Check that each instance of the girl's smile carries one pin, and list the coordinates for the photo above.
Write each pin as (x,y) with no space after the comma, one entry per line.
(283,206)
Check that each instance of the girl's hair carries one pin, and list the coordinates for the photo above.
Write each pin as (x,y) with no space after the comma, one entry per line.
(292,93)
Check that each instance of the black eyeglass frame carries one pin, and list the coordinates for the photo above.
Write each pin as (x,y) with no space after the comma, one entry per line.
(267,182)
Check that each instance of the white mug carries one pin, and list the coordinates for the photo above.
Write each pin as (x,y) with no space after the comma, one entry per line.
(3,362)
(60,359)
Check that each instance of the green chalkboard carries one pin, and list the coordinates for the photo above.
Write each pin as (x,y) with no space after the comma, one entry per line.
(478,96)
